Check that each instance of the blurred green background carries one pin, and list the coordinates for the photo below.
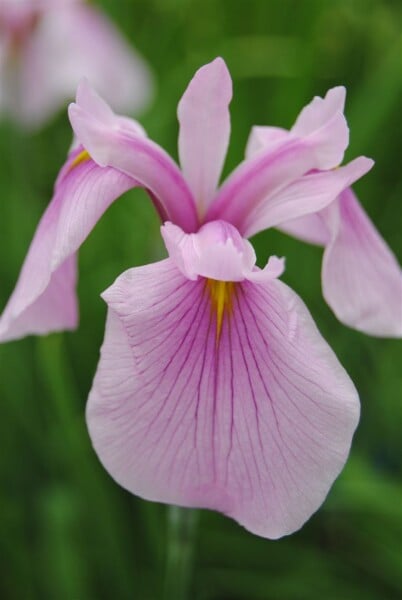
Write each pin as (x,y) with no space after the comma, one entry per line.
(67,531)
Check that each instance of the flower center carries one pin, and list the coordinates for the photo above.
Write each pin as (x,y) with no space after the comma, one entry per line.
(221,294)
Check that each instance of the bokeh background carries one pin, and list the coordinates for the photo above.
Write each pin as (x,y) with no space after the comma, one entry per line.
(67,531)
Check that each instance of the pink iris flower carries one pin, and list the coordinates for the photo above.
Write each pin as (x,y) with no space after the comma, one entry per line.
(47,46)
(214,387)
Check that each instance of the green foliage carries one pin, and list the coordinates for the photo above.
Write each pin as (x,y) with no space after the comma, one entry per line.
(67,531)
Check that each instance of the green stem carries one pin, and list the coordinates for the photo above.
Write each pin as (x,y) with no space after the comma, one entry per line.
(181,529)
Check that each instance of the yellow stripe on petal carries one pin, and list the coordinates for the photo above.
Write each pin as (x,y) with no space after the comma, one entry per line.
(221,293)
(80,158)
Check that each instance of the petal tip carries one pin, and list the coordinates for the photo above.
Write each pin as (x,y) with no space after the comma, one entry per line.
(217,63)
(216,73)
(338,95)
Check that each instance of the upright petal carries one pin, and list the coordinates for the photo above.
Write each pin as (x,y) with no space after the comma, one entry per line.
(205,129)
(323,120)
(110,142)
(254,420)
(44,298)
(361,278)
(293,207)
(276,159)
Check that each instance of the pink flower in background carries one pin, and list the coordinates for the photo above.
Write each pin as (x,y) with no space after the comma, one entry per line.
(214,387)
(48,46)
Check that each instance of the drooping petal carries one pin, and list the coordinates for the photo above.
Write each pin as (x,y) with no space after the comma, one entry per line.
(44,298)
(305,196)
(361,278)
(255,422)
(70,41)
(111,143)
(204,133)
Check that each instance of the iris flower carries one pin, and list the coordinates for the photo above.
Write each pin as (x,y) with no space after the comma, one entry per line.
(214,387)
(47,46)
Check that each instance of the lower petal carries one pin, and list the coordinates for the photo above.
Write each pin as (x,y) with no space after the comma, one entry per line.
(55,309)
(362,281)
(252,416)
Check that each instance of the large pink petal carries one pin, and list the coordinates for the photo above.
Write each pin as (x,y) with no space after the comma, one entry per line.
(74,41)
(205,129)
(362,281)
(112,142)
(255,422)
(44,298)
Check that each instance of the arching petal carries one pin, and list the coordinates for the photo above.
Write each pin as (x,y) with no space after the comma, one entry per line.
(323,118)
(362,281)
(292,206)
(111,143)
(305,196)
(317,141)
(255,421)
(44,298)
(277,185)
(260,177)
(204,132)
